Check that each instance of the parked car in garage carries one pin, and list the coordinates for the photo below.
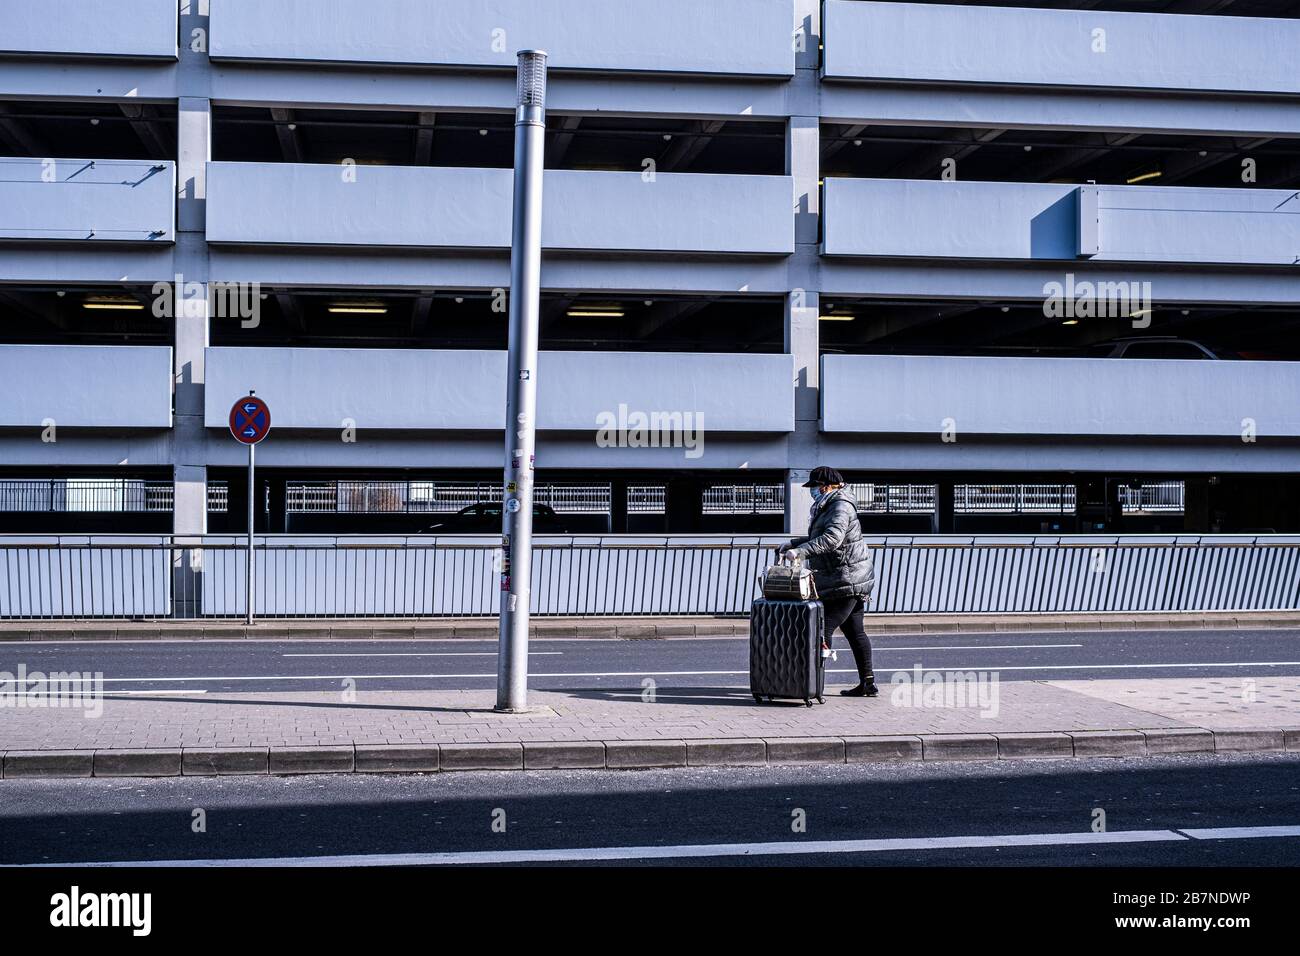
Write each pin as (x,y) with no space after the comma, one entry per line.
(1154,347)
(485,518)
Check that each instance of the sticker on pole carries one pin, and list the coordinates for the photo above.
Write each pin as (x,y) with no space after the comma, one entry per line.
(250,420)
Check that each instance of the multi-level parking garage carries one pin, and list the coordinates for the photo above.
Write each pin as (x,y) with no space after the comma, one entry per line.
(830,231)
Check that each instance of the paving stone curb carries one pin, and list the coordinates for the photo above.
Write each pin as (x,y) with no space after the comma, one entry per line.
(636,754)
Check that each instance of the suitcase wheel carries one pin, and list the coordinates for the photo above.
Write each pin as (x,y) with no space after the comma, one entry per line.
(807,703)
(820,700)
(759,698)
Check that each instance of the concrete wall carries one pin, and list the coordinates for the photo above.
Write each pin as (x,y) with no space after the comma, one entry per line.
(741,37)
(298,204)
(933,43)
(86,386)
(1112,398)
(971,220)
(1246,226)
(979,220)
(83,199)
(464,390)
(90,28)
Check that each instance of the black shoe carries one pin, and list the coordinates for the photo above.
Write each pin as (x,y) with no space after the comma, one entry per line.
(861,690)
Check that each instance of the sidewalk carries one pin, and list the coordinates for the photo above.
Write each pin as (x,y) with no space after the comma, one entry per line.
(389,731)
(626,628)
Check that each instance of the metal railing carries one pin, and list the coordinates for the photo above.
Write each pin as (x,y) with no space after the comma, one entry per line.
(1014,499)
(647,499)
(744,499)
(218,497)
(894,499)
(1164,497)
(109,495)
(432,497)
(102,495)
(91,577)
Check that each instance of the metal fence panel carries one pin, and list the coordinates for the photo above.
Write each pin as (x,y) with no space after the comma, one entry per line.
(368,576)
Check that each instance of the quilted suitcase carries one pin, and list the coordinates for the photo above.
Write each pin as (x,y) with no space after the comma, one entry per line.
(785,643)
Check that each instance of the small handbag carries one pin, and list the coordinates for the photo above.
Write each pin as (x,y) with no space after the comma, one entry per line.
(789,581)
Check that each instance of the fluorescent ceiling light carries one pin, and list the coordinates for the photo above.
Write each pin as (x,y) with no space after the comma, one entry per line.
(113,303)
(1070,322)
(835,318)
(358,308)
(1143,177)
(595,313)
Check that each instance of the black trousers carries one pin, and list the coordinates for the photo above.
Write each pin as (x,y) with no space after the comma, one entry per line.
(846,615)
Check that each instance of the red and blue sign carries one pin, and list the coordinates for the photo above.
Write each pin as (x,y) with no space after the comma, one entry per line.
(250,420)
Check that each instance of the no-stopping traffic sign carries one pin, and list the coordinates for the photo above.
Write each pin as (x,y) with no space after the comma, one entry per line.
(250,420)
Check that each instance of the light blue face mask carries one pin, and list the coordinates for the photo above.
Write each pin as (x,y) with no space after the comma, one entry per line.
(818,494)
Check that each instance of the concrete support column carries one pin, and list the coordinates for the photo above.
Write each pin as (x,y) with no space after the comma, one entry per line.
(1114,506)
(190,297)
(804,444)
(943,522)
(685,505)
(802,304)
(1196,504)
(618,507)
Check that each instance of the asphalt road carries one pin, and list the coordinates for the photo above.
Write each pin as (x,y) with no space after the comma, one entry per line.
(222,666)
(1163,805)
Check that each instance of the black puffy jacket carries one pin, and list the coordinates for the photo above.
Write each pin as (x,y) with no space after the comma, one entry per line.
(834,549)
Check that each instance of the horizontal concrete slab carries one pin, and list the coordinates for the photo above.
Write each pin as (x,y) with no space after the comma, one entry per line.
(137,763)
(1035,745)
(798,750)
(1109,743)
(299,204)
(1175,741)
(47,763)
(1249,739)
(984,45)
(482,756)
(560,755)
(397,758)
(144,29)
(644,754)
(119,386)
(685,394)
(726,753)
(87,200)
(1113,398)
(734,37)
(222,761)
(308,759)
(959,747)
(876,749)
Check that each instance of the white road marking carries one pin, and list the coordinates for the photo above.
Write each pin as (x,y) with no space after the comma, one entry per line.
(786,848)
(1239,833)
(652,673)
(429,654)
(969,647)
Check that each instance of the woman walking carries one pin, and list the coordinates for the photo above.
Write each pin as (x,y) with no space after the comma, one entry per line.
(841,566)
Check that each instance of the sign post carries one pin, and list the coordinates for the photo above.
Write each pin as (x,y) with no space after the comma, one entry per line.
(521,384)
(250,421)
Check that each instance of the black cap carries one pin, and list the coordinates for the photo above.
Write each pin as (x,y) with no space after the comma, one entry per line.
(821,475)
